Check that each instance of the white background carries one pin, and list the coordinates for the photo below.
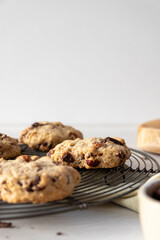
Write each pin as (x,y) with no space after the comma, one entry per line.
(86,61)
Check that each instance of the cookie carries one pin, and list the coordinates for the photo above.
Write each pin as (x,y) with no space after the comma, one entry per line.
(91,153)
(29,179)
(9,147)
(46,135)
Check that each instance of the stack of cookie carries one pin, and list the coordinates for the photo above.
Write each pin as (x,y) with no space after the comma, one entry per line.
(53,177)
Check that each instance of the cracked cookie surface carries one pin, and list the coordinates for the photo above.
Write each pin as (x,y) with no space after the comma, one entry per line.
(91,153)
(46,135)
(9,147)
(29,179)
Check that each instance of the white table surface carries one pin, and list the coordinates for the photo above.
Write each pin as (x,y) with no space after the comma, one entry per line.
(108,221)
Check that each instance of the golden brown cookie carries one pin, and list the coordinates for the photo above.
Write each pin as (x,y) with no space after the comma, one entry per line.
(46,135)
(9,147)
(91,153)
(35,180)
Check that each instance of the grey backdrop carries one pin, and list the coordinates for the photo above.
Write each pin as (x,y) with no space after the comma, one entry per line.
(86,61)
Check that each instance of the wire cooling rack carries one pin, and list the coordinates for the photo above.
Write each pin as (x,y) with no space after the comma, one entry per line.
(98,186)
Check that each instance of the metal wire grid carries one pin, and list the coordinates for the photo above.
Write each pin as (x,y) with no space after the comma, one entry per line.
(98,186)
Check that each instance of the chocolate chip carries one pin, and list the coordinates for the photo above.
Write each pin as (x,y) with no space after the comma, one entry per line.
(36,124)
(50,146)
(33,185)
(68,158)
(121,155)
(53,180)
(45,144)
(93,163)
(100,154)
(59,233)
(20,183)
(113,140)
(29,188)
(5,224)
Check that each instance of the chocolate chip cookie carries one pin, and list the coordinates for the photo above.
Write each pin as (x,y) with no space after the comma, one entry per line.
(9,147)
(46,135)
(91,153)
(29,179)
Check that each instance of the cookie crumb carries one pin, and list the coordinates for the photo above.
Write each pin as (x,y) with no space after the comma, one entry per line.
(6,225)
(59,233)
